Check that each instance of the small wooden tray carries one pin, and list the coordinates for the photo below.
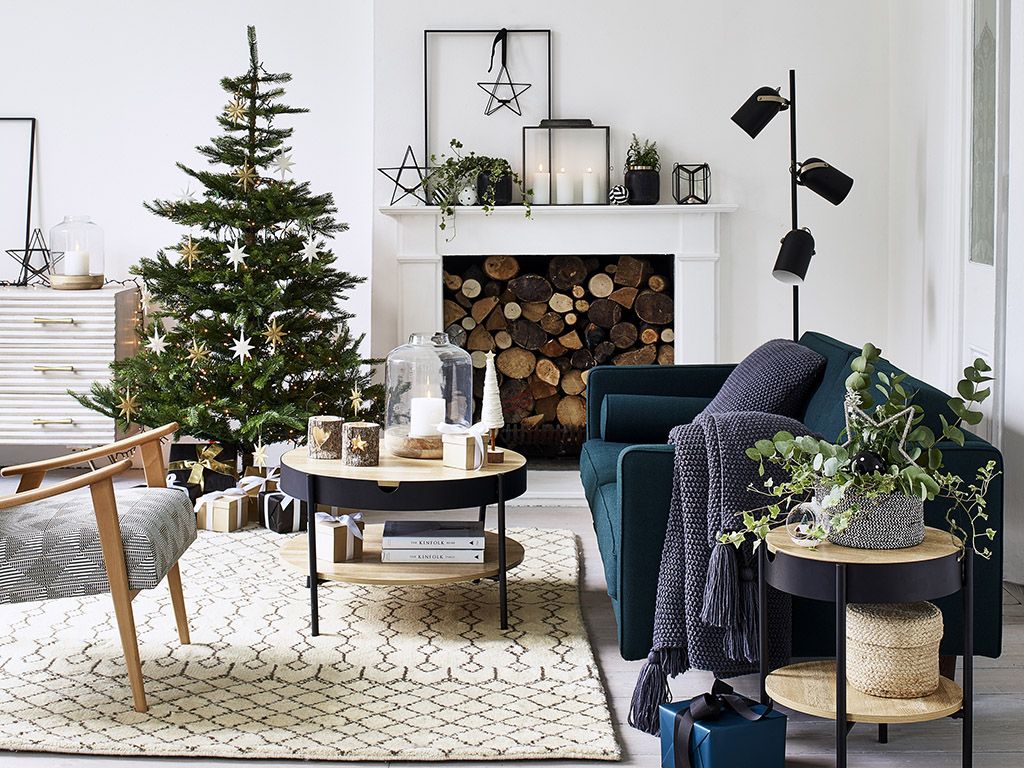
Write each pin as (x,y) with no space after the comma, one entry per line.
(76,282)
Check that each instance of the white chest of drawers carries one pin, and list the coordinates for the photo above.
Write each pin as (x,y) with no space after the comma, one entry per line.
(52,342)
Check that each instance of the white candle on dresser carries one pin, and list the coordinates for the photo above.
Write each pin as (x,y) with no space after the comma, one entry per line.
(564,188)
(425,413)
(541,186)
(76,262)
(591,194)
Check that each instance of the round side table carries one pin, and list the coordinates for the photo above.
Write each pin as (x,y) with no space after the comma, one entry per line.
(842,575)
(402,485)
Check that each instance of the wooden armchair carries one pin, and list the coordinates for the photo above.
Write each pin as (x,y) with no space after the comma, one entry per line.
(124,553)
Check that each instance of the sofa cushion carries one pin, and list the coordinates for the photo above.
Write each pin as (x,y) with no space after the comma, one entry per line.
(646,418)
(777,377)
(824,412)
(599,461)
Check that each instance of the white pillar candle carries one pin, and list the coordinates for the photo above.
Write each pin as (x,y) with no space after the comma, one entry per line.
(541,186)
(424,415)
(76,262)
(563,188)
(591,194)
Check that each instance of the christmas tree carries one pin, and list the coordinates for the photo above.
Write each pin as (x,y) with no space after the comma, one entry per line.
(246,338)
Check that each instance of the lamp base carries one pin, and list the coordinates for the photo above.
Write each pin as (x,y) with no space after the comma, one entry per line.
(76,282)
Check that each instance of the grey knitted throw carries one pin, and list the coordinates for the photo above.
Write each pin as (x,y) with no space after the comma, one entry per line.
(706,608)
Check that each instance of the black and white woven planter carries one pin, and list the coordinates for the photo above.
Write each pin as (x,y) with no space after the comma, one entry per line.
(888,522)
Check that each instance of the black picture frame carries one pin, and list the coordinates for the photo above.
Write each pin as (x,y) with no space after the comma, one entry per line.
(426,70)
(31,176)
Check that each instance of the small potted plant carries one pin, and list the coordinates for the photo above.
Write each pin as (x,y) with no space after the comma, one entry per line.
(472,179)
(642,178)
(869,491)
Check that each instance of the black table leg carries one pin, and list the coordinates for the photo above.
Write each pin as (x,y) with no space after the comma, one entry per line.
(502,576)
(483,514)
(967,758)
(841,729)
(762,617)
(883,733)
(314,610)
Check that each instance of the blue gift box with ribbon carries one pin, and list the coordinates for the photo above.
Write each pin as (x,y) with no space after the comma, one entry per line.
(721,729)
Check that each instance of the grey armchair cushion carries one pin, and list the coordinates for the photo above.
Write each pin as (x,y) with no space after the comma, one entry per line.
(51,548)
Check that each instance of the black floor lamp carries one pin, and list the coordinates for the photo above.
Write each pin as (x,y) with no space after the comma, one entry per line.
(815,174)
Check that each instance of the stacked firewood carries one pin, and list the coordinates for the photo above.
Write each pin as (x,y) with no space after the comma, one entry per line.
(549,329)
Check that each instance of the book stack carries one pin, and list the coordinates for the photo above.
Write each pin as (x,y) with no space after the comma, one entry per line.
(432,541)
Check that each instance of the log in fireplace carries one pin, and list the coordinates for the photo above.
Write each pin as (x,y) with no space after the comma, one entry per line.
(549,320)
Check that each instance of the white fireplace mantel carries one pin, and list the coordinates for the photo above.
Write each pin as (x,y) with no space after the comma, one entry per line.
(690,234)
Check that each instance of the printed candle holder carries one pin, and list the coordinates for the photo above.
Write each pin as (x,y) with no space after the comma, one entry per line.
(360,444)
(324,437)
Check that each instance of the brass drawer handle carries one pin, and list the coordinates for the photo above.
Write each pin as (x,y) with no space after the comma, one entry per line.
(53,367)
(44,422)
(54,320)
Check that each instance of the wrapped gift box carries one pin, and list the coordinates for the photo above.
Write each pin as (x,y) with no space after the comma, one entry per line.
(218,464)
(730,741)
(336,542)
(252,488)
(221,513)
(280,513)
(459,451)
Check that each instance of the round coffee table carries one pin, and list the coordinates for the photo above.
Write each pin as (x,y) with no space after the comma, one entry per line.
(828,572)
(402,485)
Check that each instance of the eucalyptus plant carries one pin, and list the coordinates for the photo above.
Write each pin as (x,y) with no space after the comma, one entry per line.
(450,173)
(885,453)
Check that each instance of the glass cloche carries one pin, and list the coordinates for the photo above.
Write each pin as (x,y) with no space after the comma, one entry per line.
(427,381)
(80,241)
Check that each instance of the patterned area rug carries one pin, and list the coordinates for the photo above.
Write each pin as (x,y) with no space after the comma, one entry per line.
(400,673)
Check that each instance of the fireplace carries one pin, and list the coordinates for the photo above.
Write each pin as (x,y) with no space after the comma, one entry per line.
(678,245)
(549,320)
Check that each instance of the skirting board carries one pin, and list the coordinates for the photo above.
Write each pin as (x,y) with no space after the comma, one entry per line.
(555,488)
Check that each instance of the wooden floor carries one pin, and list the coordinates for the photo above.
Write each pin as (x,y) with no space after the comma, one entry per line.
(999,705)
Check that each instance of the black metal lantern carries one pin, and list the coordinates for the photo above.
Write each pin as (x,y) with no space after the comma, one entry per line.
(566,161)
(691,184)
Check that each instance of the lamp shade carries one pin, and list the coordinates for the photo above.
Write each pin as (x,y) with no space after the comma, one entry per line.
(794,257)
(757,111)
(824,180)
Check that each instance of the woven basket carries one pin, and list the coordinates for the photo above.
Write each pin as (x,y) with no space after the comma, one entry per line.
(894,521)
(893,649)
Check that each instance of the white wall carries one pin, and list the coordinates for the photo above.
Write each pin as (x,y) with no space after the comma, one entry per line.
(675,72)
(123,90)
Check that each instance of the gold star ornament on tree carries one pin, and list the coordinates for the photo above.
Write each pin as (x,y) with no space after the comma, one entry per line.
(355,398)
(246,177)
(189,252)
(129,405)
(259,454)
(274,333)
(198,353)
(235,110)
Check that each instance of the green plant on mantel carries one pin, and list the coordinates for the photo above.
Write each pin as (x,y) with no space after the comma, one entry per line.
(451,173)
(882,455)
(643,154)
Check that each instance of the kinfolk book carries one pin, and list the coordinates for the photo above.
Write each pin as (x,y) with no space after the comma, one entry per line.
(433,534)
(432,555)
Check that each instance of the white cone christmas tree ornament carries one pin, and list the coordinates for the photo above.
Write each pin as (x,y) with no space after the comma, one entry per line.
(490,410)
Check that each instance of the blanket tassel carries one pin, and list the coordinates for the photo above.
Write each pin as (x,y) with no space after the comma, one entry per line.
(651,691)
(741,639)
(720,591)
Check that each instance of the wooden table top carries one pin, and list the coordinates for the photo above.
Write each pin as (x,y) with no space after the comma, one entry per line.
(937,544)
(393,470)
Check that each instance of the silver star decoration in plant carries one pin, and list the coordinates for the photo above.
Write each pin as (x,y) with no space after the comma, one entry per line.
(853,412)
(241,347)
(282,164)
(157,344)
(236,256)
(309,252)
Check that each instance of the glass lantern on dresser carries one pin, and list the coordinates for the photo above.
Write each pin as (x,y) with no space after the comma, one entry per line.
(427,381)
(77,247)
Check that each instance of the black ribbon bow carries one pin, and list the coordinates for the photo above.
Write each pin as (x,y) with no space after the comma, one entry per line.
(709,706)
(501,37)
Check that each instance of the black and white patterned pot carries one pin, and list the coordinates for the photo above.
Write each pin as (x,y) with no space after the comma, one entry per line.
(888,522)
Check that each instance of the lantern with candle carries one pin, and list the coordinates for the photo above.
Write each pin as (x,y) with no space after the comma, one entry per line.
(76,245)
(427,381)
(578,151)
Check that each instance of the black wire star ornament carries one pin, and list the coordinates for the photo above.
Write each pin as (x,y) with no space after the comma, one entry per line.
(394,174)
(503,81)
(35,273)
